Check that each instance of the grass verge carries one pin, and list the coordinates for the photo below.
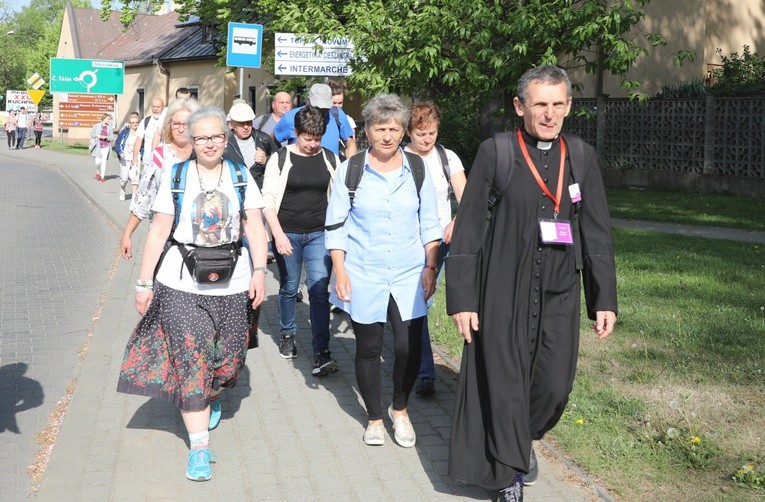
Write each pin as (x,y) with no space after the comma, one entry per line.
(688,208)
(672,402)
(58,146)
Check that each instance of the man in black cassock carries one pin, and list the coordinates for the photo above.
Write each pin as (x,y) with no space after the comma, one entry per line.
(513,288)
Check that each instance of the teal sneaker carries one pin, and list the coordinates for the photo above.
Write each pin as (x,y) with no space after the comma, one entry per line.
(214,414)
(198,468)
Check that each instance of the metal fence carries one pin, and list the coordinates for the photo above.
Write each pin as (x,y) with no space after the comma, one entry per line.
(705,136)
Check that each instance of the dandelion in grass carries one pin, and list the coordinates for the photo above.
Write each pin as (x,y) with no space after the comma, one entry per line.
(745,469)
(671,433)
(695,440)
(580,422)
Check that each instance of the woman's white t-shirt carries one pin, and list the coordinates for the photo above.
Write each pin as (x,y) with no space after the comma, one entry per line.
(206,221)
(441,184)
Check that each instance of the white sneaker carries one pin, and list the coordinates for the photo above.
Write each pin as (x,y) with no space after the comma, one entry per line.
(402,427)
(122,194)
(374,435)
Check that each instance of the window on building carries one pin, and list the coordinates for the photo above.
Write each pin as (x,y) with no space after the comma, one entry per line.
(140,92)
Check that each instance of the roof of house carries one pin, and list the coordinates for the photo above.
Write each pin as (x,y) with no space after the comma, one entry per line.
(148,38)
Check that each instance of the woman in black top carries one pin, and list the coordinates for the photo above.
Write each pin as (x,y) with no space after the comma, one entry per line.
(295,194)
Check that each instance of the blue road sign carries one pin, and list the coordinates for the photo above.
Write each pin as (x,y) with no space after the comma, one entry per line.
(245,42)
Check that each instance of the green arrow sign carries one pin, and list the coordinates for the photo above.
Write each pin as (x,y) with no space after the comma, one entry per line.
(87,76)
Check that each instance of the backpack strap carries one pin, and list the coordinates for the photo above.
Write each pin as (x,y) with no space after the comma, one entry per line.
(329,156)
(352,180)
(239,179)
(576,157)
(263,121)
(505,160)
(444,161)
(353,175)
(417,165)
(177,187)
(281,156)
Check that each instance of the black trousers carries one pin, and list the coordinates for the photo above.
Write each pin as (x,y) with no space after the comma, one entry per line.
(407,348)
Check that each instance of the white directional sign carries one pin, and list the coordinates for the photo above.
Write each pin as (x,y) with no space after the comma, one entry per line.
(298,56)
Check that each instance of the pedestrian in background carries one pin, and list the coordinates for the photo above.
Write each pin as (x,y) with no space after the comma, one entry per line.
(383,243)
(192,340)
(513,286)
(281,104)
(448,176)
(21,128)
(101,136)
(37,128)
(176,148)
(123,147)
(10,129)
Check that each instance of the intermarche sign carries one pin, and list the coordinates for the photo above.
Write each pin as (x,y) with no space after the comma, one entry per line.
(87,76)
(300,56)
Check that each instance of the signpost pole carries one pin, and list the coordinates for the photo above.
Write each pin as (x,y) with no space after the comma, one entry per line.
(241,82)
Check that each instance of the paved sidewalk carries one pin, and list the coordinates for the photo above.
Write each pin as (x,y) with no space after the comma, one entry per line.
(285,435)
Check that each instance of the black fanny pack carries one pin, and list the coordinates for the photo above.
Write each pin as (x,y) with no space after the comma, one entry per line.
(210,265)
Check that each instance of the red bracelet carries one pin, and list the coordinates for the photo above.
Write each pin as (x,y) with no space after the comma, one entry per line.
(430,267)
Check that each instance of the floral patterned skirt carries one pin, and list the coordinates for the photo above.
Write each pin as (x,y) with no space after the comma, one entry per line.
(186,345)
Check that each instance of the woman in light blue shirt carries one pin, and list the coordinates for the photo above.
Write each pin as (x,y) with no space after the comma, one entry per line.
(383,245)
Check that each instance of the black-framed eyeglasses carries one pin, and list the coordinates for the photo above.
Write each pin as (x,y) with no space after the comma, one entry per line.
(177,125)
(217,139)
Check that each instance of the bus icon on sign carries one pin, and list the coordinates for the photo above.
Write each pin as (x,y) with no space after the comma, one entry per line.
(246,40)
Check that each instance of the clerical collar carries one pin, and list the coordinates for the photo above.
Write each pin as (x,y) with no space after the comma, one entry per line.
(540,145)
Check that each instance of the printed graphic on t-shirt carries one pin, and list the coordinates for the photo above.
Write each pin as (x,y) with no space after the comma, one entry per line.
(214,220)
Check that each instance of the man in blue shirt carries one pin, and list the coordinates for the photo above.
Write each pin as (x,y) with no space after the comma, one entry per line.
(320,96)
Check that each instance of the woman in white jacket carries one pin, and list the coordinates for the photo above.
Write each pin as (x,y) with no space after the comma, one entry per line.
(101,136)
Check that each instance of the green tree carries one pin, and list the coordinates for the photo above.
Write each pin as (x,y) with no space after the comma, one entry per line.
(28,39)
(475,49)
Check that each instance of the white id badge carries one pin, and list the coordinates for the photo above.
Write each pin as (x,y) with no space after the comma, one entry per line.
(556,232)
(573,191)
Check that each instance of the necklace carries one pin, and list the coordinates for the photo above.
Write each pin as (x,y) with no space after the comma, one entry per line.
(209,194)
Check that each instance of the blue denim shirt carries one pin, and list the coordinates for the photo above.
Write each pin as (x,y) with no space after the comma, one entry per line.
(383,237)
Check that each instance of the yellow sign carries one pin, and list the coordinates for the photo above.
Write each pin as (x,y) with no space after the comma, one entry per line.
(35,95)
(36,81)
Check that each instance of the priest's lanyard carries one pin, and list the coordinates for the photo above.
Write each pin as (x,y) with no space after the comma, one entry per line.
(537,177)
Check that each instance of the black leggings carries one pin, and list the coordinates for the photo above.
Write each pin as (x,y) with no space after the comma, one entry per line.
(407,347)
(11,135)
(38,137)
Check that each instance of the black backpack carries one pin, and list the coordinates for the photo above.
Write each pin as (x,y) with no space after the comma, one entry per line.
(356,169)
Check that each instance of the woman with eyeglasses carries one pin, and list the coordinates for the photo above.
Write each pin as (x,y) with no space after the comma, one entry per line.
(192,340)
(176,148)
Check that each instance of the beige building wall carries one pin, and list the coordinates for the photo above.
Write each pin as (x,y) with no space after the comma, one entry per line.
(698,25)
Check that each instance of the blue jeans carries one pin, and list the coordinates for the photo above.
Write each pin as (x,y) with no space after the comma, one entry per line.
(309,249)
(21,135)
(427,367)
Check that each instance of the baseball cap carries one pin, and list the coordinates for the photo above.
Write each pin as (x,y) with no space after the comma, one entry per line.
(320,96)
(241,112)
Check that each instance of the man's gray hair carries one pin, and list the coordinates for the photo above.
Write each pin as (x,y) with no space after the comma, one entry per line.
(384,107)
(546,74)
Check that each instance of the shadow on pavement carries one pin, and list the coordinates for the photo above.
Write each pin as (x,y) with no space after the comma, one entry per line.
(17,393)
